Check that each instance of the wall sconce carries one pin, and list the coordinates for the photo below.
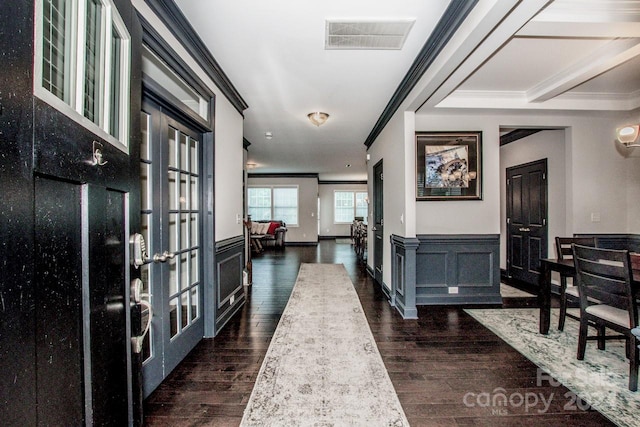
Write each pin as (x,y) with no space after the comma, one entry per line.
(318,118)
(627,135)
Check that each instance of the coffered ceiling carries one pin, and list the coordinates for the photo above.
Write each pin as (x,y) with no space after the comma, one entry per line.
(507,54)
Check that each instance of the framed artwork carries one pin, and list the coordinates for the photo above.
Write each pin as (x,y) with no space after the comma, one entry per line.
(448,166)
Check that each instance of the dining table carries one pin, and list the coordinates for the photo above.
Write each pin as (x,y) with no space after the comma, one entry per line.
(565,267)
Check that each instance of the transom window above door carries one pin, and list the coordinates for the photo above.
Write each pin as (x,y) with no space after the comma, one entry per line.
(82,65)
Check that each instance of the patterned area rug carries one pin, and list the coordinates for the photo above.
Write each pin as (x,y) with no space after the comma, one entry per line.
(507,291)
(600,380)
(323,367)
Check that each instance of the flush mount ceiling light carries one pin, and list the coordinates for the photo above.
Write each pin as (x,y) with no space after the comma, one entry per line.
(627,135)
(268,135)
(318,118)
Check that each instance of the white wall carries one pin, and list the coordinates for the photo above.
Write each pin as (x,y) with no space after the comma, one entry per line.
(328,227)
(389,147)
(228,140)
(307,229)
(548,145)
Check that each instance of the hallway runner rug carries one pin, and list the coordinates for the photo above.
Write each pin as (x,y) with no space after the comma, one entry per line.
(323,367)
(600,380)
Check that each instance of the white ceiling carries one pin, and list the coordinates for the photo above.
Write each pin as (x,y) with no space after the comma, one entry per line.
(565,54)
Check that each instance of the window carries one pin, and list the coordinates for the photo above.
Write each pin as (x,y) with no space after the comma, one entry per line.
(82,65)
(281,203)
(348,205)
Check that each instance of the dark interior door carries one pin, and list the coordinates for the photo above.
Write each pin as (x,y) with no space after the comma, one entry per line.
(378,221)
(526,220)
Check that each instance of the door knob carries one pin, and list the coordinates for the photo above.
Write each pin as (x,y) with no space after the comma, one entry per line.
(163,257)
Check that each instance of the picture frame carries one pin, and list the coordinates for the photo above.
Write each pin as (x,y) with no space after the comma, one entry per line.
(449,165)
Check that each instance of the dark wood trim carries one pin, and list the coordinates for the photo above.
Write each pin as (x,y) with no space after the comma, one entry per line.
(283,175)
(448,24)
(342,182)
(517,134)
(176,22)
(333,237)
(301,244)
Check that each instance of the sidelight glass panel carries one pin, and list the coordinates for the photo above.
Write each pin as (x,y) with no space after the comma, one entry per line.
(93,61)
(115,83)
(55,48)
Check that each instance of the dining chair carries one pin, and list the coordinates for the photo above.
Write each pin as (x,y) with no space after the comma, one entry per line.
(605,275)
(564,251)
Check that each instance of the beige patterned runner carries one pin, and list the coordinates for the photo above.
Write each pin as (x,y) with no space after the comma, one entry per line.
(323,367)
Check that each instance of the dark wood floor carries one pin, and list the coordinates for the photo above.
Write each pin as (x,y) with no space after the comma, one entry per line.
(433,362)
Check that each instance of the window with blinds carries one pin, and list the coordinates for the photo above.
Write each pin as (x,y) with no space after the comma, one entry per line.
(83,64)
(276,203)
(349,205)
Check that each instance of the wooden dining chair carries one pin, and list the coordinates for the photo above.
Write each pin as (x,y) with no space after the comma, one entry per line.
(564,251)
(605,275)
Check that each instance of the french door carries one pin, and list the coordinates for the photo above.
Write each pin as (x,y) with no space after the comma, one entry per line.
(171,217)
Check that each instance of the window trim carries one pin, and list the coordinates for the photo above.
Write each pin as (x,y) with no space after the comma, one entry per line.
(355,204)
(75,108)
(272,207)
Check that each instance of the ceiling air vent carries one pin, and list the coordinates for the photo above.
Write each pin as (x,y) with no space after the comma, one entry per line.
(343,34)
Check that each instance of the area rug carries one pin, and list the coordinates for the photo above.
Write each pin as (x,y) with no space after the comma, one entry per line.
(507,291)
(344,241)
(322,367)
(600,380)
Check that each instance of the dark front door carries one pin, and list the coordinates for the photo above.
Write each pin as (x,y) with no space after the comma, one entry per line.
(378,221)
(526,220)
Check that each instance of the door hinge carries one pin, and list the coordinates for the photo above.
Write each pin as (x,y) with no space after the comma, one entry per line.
(544,175)
(381,221)
(544,222)
(508,220)
(508,182)
(381,177)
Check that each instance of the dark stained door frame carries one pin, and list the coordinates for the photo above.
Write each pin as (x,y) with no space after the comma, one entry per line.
(527,229)
(378,221)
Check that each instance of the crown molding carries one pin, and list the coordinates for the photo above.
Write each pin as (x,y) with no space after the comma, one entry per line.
(177,23)
(451,19)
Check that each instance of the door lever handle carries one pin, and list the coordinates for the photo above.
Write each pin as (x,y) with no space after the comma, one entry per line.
(163,257)
(524,229)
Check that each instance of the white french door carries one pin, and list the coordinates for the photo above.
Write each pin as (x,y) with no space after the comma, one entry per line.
(171,220)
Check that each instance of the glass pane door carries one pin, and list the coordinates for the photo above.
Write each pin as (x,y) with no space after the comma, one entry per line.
(171,221)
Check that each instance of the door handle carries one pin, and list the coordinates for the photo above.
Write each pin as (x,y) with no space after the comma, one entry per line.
(524,229)
(137,298)
(164,256)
